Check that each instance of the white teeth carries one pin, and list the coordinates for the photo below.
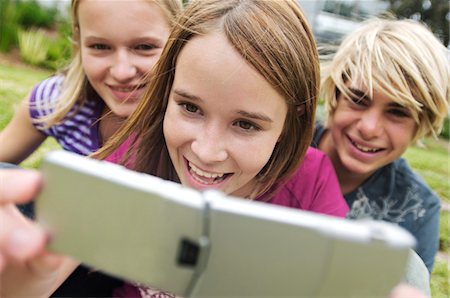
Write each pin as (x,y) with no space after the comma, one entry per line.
(128,89)
(365,149)
(124,89)
(205,174)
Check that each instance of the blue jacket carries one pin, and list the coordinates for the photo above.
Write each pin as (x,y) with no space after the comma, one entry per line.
(394,193)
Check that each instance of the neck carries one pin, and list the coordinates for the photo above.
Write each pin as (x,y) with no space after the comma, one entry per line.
(348,181)
(109,124)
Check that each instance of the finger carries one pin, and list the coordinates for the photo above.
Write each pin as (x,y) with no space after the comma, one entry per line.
(405,290)
(18,186)
(35,277)
(19,238)
(47,263)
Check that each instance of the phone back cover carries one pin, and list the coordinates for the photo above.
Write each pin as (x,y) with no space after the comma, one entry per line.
(121,222)
(131,225)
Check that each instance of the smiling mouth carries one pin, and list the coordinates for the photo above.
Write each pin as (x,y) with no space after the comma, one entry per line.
(128,89)
(207,178)
(364,148)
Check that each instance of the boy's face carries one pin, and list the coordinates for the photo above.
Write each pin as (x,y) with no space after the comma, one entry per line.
(370,133)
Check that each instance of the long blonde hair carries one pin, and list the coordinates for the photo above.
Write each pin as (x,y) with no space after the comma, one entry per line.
(400,58)
(76,88)
(273,37)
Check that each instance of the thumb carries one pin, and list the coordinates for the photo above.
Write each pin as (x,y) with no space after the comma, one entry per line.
(18,186)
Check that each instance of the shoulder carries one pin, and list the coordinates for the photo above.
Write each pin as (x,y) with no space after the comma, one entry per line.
(409,182)
(119,155)
(394,193)
(48,88)
(318,133)
(313,186)
(313,165)
(397,180)
(44,95)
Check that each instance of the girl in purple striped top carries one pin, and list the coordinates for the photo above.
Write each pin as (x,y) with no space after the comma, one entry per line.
(115,46)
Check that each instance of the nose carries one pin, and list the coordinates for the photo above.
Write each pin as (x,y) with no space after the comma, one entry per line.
(371,124)
(210,146)
(123,68)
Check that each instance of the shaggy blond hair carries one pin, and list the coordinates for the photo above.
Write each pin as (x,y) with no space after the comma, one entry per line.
(400,58)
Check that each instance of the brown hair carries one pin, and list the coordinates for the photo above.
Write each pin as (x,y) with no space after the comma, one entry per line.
(275,39)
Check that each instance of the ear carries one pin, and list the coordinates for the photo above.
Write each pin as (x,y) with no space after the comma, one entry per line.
(76,35)
(301,110)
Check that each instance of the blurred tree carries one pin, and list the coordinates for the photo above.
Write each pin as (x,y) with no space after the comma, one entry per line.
(32,14)
(8,25)
(435,13)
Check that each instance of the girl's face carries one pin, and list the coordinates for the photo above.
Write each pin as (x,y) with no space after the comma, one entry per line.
(223,119)
(120,41)
(369,133)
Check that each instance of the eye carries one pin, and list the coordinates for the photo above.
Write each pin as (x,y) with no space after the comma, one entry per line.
(247,125)
(145,47)
(190,108)
(400,113)
(99,47)
(359,101)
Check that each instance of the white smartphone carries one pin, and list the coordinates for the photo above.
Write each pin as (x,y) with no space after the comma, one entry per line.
(205,244)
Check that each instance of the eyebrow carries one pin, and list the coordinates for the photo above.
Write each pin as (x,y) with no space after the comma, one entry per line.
(145,39)
(361,94)
(255,116)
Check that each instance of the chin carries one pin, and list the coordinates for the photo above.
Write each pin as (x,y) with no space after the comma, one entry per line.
(357,167)
(124,113)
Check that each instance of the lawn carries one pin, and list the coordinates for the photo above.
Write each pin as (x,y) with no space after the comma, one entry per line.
(16,83)
(431,160)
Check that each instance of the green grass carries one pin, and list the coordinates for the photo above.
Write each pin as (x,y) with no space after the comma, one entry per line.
(16,83)
(431,162)
(445,231)
(440,280)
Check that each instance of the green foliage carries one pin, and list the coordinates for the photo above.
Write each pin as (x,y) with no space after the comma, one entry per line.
(17,15)
(60,49)
(31,14)
(434,13)
(8,25)
(33,45)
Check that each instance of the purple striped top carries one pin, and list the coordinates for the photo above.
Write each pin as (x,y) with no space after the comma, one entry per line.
(79,131)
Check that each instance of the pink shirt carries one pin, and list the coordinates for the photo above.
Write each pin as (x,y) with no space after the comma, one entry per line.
(313,187)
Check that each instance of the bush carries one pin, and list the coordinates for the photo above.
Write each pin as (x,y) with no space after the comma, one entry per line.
(15,14)
(31,14)
(33,45)
(8,25)
(60,49)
